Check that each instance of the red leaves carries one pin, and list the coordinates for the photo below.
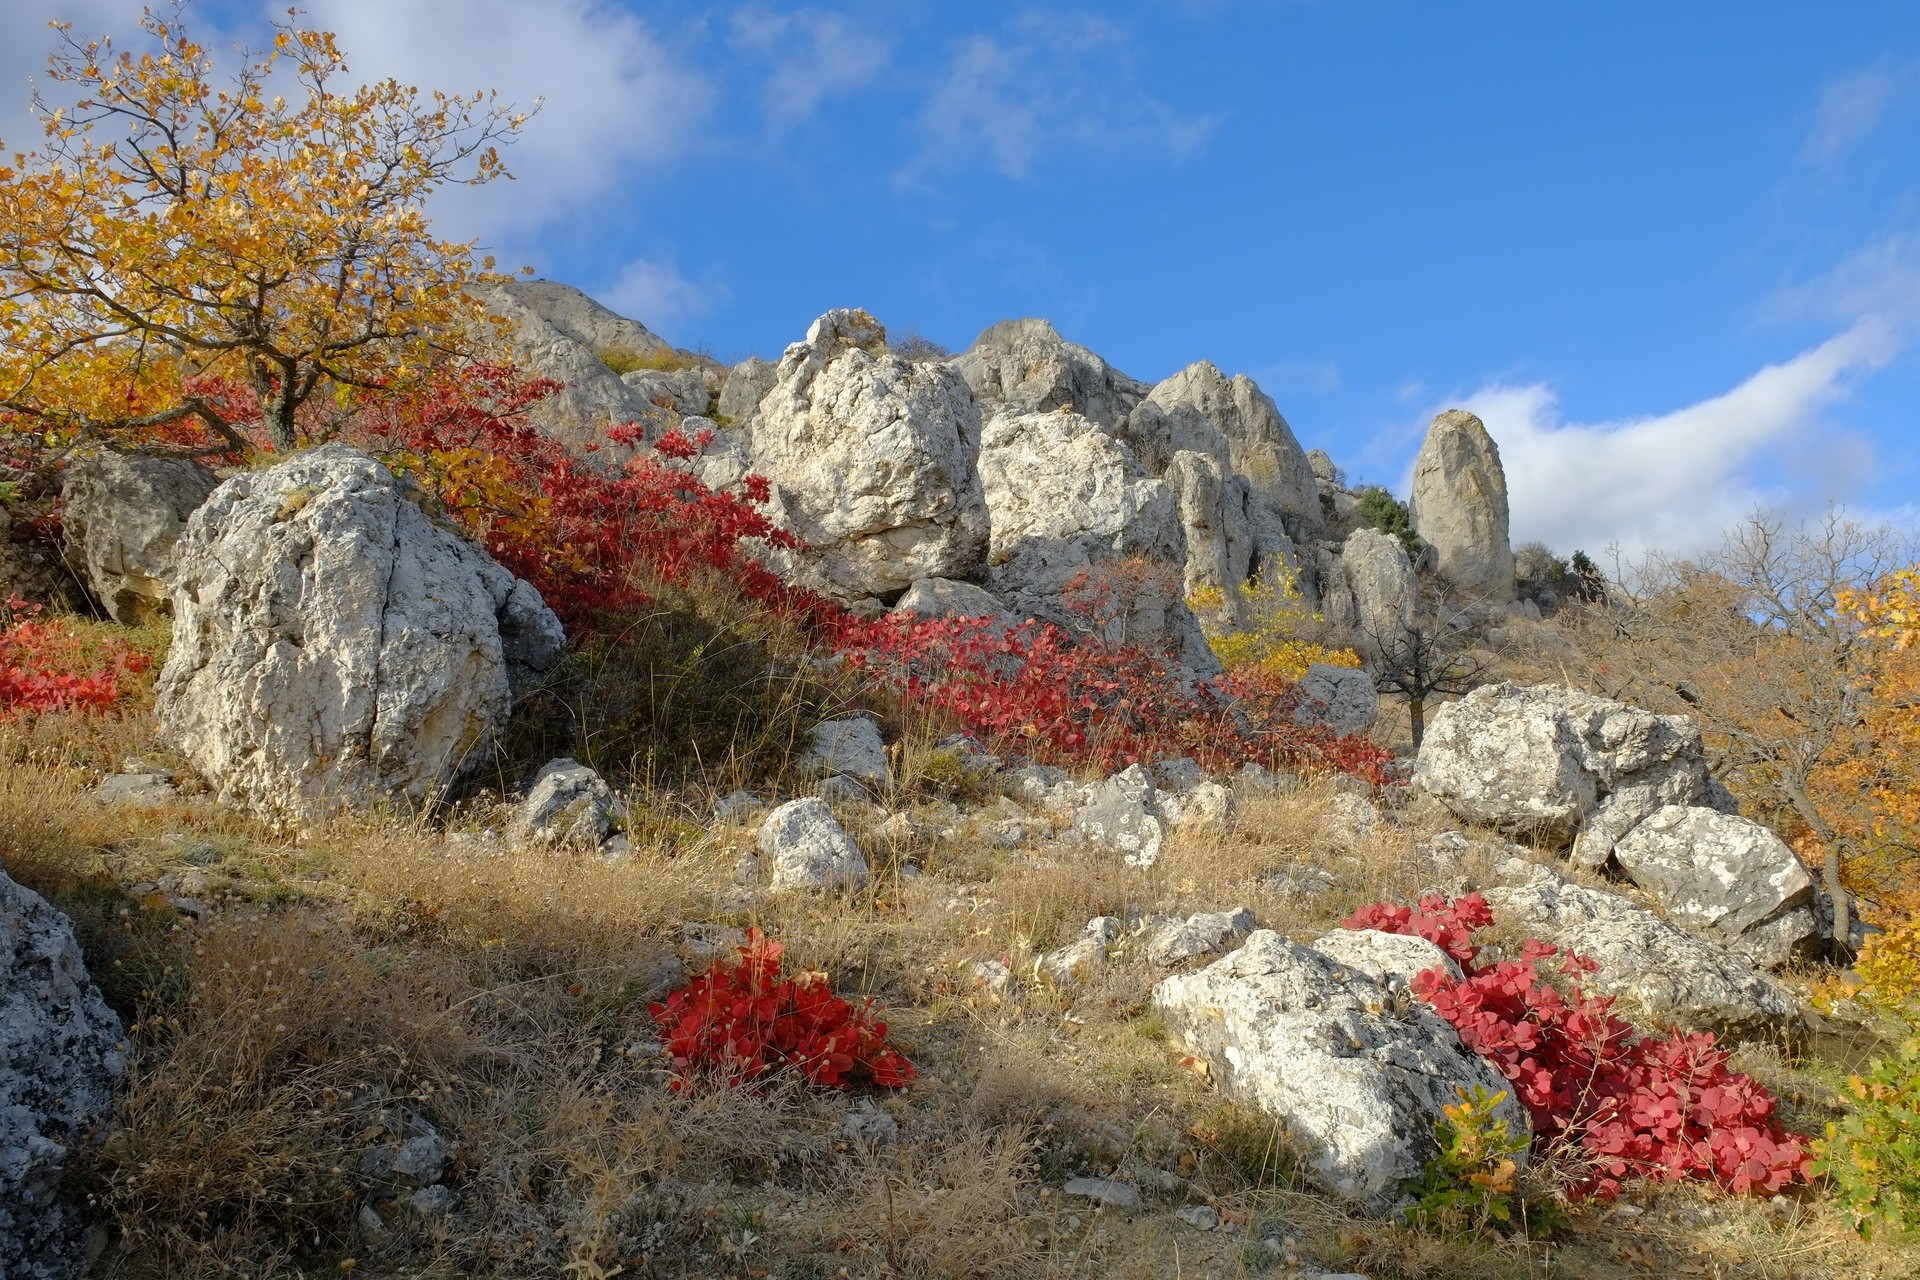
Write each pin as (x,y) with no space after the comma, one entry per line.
(1634,1106)
(735,1024)
(45,666)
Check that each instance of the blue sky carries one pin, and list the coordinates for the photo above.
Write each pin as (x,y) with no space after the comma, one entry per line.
(1671,252)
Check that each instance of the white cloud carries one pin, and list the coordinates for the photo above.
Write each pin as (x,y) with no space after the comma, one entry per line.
(1851,108)
(654,292)
(1883,279)
(1675,481)
(1047,82)
(616,95)
(812,56)
(25,42)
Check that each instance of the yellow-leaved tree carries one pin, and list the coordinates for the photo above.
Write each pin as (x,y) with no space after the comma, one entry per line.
(175,233)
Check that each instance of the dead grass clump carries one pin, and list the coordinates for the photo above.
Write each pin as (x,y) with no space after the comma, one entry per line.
(955,1210)
(624,359)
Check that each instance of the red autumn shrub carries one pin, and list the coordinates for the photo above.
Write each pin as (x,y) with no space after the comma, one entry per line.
(1634,1106)
(735,1023)
(49,666)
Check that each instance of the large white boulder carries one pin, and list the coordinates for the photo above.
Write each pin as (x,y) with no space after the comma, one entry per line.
(1551,763)
(333,646)
(121,517)
(1358,1078)
(61,1051)
(1025,366)
(872,460)
(1662,975)
(1727,877)
(803,847)
(1459,505)
(1375,590)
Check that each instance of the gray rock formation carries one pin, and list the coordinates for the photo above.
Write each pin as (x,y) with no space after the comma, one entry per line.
(334,646)
(684,391)
(1555,764)
(802,847)
(1171,941)
(872,461)
(1726,877)
(746,386)
(574,315)
(850,747)
(61,1051)
(1662,975)
(1213,505)
(1385,957)
(1459,505)
(1341,698)
(558,332)
(1357,1080)
(121,516)
(1260,446)
(1025,366)
(1122,814)
(568,804)
(1376,589)
(945,598)
(1073,964)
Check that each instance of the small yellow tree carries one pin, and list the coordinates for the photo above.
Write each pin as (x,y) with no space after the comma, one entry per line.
(1275,629)
(173,231)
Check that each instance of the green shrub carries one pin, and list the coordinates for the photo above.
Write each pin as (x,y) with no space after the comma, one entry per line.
(1390,515)
(625,359)
(1873,1155)
(1474,1179)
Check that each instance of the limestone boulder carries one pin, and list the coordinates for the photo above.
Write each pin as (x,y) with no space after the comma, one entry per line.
(1662,975)
(872,461)
(1169,941)
(1550,763)
(1260,446)
(803,847)
(1357,1078)
(683,391)
(1025,366)
(1727,877)
(1386,957)
(333,646)
(121,518)
(849,747)
(1375,591)
(747,384)
(567,804)
(1342,699)
(558,332)
(946,598)
(1459,505)
(61,1052)
(1122,814)
(1213,507)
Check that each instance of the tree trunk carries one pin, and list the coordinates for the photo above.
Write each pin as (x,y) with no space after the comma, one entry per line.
(278,415)
(1803,805)
(1417,720)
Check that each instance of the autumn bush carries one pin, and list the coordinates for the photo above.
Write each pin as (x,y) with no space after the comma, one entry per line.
(1872,1155)
(58,664)
(1266,627)
(1628,1106)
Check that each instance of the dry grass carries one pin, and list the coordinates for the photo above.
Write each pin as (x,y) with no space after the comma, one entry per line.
(377,969)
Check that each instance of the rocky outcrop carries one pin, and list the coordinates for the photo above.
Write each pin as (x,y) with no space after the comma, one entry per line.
(1550,763)
(1285,507)
(1459,506)
(1213,506)
(1358,1079)
(333,646)
(1375,590)
(1662,975)
(1726,877)
(1341,698)
(1025,366)
(567,804)
(872,461)
(802,847)
(121,516)
(945,598)
(574,315)
(558,332)
(746,386)
(61,1050)
(1386,957)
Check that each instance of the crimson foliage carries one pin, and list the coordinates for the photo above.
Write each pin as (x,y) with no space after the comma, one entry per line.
(45,666)
(1634,1106)
(736,1023)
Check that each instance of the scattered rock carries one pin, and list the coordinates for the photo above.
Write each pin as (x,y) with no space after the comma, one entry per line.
(1726,877)
(1353,817)
(803,847)
(735,805)
(992,977)
(1385,957)
(432,1201)
(1662,974)
(1459,505)
(1107,1193)
(850,747)
(865,1122)
(1120,814)
(1071,965)
(1206,806)
(137,790)
(1317,1045)
(1170,942)
(121,518)
(61,1052)
(568,804)
(1201,1217)
(946,598)
(1341,698)
(1039,785)
(332,646)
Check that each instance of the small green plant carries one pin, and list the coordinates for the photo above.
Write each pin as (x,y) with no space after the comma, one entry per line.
(625,359)
(1389,515)
(1873,1155)
(1473,1181)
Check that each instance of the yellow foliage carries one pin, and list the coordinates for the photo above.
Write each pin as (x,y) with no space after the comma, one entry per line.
(1266,627)
(228,233)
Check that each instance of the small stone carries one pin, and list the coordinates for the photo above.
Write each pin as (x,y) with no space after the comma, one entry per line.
(804,847)
(136,790)
(851,747)
(432,1201)
(370,1220)
(1072,964)
(1106,1192)
(734,805)
(869,1124)
(568,804)
(420,1160)
(1201,1217)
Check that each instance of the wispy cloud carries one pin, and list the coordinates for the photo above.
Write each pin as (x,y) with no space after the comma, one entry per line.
(25,41)
(810,57)
(1676,480)
(1044,83)
(1852,107)
(654,292)
(1880,280)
